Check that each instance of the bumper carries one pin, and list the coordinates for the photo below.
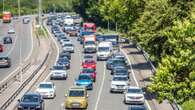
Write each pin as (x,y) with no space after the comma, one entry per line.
(128,101)
(88,87)
(117,90)
(102,58)
(48,95)
(58,77)
(89,50)
(76,105)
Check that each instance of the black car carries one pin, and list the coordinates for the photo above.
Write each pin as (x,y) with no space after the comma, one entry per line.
(31,101)
(114,62)
(7,40)
(5,62)
(137,107)
(121,71)
(117,63)
(65,54)
(64,61)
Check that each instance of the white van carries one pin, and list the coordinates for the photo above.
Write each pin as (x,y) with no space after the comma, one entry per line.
(104,50)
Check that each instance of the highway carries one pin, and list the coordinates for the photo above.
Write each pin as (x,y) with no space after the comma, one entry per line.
(100,97)
(22,45)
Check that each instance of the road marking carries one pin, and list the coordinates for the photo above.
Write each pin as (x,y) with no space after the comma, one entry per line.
(12,47)
(32,44)
(101,88)
(137,84)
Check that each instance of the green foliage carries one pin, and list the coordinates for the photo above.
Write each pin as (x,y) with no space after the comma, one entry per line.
(189,105)
(31,6)
(165,29)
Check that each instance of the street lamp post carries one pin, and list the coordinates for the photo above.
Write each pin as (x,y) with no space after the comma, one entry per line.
(18,8)
(40,11)
(3,6)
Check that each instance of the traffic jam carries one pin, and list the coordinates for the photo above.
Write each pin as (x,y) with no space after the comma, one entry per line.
(96,48)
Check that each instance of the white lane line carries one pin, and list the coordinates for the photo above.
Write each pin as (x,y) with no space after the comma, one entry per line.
(101,88)
(58,50)
(133,74)
(12,47)
(32,43)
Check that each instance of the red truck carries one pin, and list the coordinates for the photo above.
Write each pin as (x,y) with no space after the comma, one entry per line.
(6,17)
(91,27)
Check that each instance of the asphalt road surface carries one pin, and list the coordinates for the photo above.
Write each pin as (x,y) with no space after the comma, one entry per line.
(21,48)
(100,97)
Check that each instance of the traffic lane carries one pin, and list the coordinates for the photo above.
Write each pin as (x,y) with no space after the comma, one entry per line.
(62,86)
(94,94)
(21,39)
(112,101)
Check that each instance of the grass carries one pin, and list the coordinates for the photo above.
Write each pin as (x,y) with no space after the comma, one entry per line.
(189,105)
(41,32)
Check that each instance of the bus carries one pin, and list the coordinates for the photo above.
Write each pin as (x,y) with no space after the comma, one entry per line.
(6,17)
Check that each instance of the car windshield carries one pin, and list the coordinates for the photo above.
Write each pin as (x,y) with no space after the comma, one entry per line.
(84,77)
(88,56)
(63,59)
(76,93)
(69,45)
(45,86)
(100,49)
(120,79)
(30,98)
(121,70)
(88,70)
(131,90)
(89,61)
(58,67)
(90,43)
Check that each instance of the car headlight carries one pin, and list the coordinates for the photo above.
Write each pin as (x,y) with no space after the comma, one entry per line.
(113,86)
(38,106)
(19,106)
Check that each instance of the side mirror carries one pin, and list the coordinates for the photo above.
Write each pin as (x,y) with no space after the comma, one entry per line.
(87,95)
(42,100)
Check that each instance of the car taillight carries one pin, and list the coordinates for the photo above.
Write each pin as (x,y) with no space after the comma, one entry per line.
(93,65)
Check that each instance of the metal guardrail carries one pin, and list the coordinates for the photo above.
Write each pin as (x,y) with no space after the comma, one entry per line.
(174,105)
(13,77)
(7,103)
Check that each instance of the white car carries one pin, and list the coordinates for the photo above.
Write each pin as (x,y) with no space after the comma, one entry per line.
(119,84)
(68,47)
(134,95)
(104,50)
(11,31)
(47,89)
(58,72)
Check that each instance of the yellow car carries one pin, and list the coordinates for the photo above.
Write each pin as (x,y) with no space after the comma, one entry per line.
(77,97)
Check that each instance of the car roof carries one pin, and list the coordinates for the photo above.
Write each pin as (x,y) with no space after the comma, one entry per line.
(31,93)
(77,88)
(137,107)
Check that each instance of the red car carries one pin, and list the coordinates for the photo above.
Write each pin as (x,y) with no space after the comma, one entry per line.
(1,48)
(89,64)
(89,71)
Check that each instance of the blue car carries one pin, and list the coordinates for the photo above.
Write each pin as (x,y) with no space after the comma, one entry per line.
(31,101)
(85,80)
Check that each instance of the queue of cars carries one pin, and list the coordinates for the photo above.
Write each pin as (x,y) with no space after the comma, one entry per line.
(63,27)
